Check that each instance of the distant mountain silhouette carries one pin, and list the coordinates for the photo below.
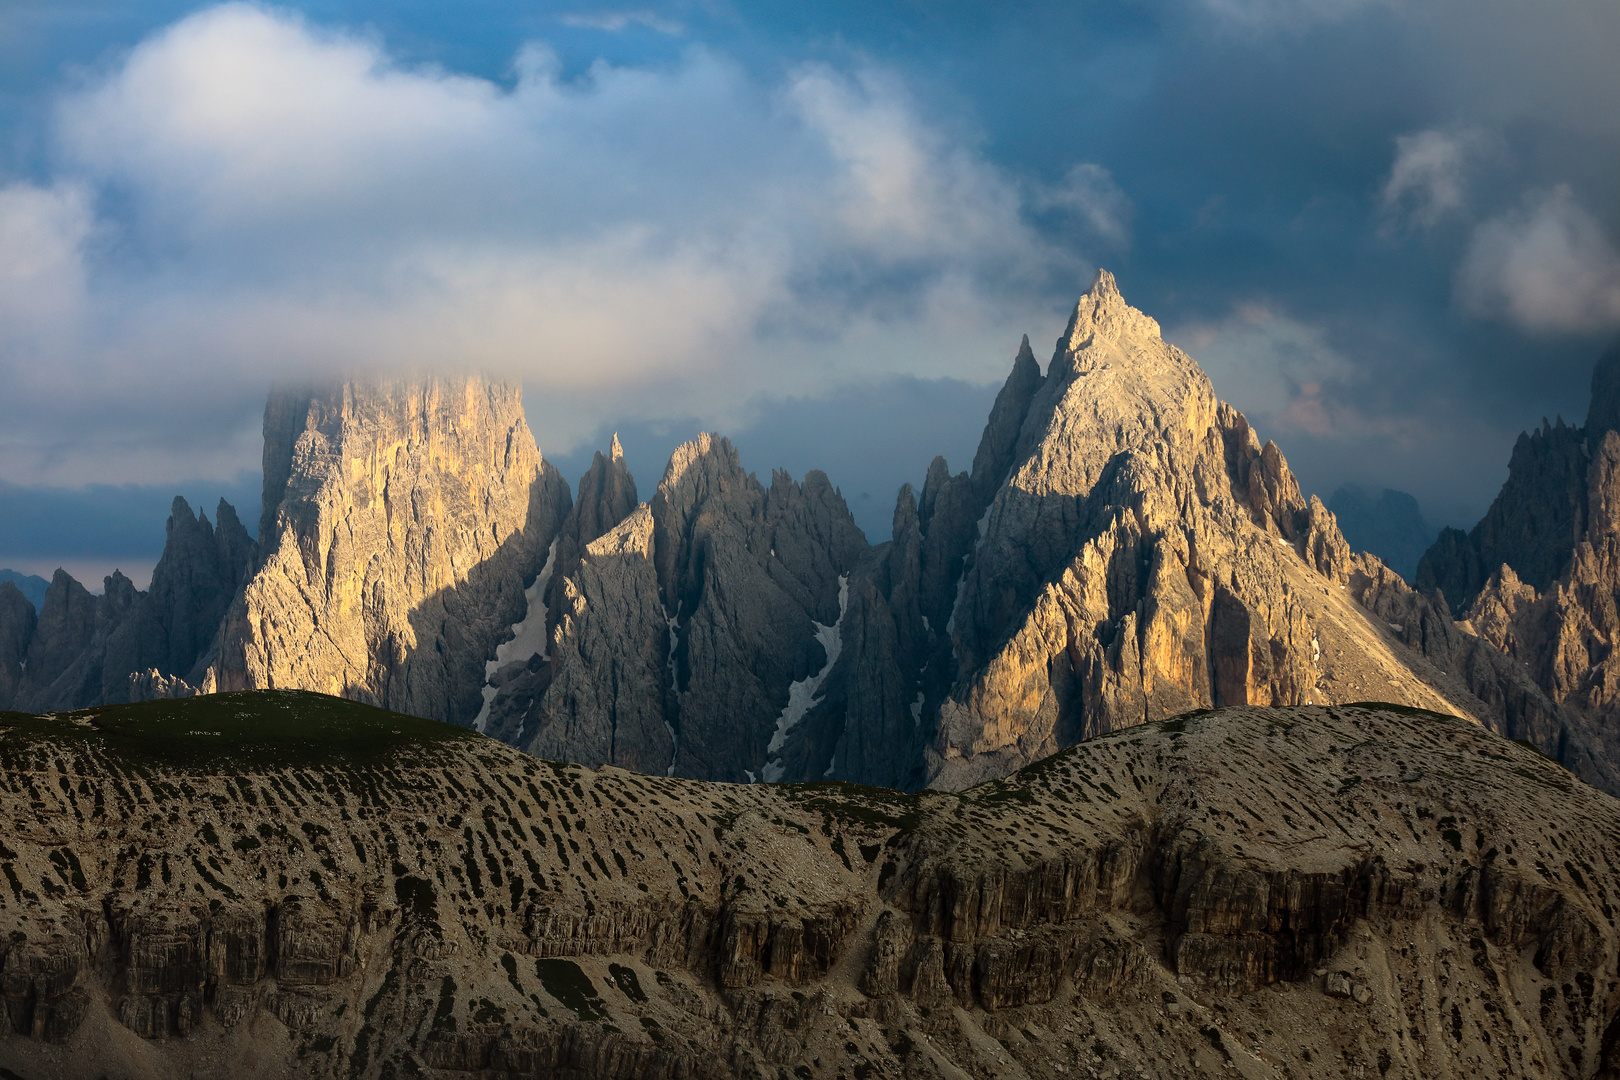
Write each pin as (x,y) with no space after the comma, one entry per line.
(31,586)
(1389,525)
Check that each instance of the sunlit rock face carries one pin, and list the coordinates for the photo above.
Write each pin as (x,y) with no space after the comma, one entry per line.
(402,523)
(1144,555)
(1123,549)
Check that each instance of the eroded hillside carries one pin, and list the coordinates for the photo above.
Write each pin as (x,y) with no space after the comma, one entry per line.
(280,884)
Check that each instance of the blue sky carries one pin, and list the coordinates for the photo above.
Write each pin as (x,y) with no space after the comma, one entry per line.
(1388,230)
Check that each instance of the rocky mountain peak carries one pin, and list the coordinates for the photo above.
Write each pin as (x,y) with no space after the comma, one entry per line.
(1604,412)
(403,521)
(1114,386)
(1145,555)
(615,451)
(1103,315)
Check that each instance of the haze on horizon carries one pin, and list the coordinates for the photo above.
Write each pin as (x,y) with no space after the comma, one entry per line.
(1388,231)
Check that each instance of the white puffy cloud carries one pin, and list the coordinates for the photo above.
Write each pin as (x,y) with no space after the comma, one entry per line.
(1428,179)
(247,197)
(1547,264)
(43,233)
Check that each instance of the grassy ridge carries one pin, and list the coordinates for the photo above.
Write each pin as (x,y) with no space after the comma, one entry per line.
(263,728)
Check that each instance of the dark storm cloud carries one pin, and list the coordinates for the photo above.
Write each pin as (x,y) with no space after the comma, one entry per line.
(1388,230)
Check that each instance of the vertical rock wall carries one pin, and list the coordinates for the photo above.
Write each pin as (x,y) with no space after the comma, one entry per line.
(403,522)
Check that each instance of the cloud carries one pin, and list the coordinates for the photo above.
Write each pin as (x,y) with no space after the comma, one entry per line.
(1281,372)
(616,21)
(1546,265)
(43,232)
(248,197)
(1428,179)
(1089,194)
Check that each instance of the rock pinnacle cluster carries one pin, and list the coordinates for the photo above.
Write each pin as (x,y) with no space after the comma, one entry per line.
(1124,548)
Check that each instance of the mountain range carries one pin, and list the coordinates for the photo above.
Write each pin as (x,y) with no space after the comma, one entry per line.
(1124,548)
(31,586)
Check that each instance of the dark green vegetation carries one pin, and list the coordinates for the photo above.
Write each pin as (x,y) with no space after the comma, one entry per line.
(228,732)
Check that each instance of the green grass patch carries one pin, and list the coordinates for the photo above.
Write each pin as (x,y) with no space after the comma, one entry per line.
(270,729)
(874,807)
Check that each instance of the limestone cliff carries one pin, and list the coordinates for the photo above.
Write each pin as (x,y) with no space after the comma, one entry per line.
(678,635)
(121,645)
(17,621)
(1125,549)
(281,885)
(521,671)
(62,636)
(1538,579)
(1533,525)
(402,523)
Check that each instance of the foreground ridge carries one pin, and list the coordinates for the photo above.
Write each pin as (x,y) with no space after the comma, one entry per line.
(284,884)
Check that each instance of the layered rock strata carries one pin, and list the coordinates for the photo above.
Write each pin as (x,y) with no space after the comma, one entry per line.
(281,885)
(402,525)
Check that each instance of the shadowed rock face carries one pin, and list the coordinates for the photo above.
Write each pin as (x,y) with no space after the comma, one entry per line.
(1287,889)
(402,524)
(129,645)
(1533,525)
(1537,579)
(677,635)
(608,699)
(17,620)
(1389,525)
(63,633)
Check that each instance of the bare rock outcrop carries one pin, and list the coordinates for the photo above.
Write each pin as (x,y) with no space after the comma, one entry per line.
(328,890)
(127,644)
(63,632)
(609,698)
(521,672)
(402,524)
(1144,556)
(677,634)
(1533,525)
(748,575)
(1537,581)
(17,620)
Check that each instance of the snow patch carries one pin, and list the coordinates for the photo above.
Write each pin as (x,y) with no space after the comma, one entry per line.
(528,637)
(802,694)
(916,709)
